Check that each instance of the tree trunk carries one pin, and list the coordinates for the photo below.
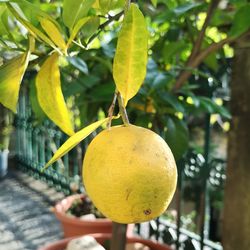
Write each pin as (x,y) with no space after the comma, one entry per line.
(236,225)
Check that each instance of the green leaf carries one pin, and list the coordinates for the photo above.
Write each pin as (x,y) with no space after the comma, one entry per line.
(91,27)
(50,95)
(107,5)
(172,49)
(241,22)
(11,75)
(212,108)
(176,136)
(74,140)
(75,10)
(54,34)
(130,62)
(186,7)
(76,29)
(31,11)
(3,28)
(171,100)
(211,61)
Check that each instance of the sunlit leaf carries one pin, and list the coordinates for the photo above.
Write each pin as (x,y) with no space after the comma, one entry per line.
(50,95)
(11,75)
(54,34)
(130,60)
(76,29)
(3,29)
(154,2)
(107,5)
(74,140)
(75,10)
(31,28)
(31,11)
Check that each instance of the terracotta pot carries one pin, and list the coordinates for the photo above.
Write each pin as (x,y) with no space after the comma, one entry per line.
(101,238)
(73,226)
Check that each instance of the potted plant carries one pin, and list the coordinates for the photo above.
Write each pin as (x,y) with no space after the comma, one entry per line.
(5,131)
(79,216)
(103,238)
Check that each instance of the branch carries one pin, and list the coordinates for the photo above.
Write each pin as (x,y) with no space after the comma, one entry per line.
(102,26)
(198,43)
(195,57)
(195,62)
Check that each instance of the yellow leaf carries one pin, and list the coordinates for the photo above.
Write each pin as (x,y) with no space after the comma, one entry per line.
(129,68)
(76,29)
(11,75)
(54,34)
(74,140)
(50,95)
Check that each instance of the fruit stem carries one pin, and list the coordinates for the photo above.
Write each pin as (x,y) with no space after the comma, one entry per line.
(127,5)
(122,110)
(118,241)
(111,109)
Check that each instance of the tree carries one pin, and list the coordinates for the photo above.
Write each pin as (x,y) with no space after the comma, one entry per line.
(237,199)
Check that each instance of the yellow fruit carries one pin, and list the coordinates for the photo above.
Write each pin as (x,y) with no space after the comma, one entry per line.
(130,174)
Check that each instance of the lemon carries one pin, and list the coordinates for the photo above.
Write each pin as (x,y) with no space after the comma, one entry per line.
(130,174)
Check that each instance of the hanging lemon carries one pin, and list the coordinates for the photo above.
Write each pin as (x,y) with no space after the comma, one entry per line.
(130,174)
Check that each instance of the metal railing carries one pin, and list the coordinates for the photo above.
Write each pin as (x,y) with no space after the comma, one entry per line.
(35,144)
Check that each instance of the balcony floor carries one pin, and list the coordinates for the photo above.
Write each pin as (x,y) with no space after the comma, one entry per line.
(26,221)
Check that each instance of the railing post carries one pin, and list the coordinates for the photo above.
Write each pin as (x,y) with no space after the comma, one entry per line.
(205,175)
(180,165)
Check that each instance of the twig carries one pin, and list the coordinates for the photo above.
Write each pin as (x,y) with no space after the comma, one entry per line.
(127,5)
(198,59)
(199,40)
(102,26)
(122,109)
(111,109)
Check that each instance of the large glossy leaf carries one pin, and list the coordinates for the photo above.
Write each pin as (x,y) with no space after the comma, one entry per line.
(130,60)
(50,95)
(54,34)
(74,140)
(75,10)
(11,75)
